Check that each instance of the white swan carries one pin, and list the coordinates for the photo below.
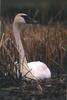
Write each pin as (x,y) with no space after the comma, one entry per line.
(37,70)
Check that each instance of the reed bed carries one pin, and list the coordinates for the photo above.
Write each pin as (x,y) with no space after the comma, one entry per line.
(45,43)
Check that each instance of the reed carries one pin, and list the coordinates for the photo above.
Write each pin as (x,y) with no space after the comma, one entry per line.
(45,43)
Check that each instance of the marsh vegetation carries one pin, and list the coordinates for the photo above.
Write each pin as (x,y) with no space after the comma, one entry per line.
(44,43)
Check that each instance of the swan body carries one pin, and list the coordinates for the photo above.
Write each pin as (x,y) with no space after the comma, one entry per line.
(37,69)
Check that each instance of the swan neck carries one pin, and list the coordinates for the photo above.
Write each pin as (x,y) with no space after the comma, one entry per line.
(19,45)
(23,62)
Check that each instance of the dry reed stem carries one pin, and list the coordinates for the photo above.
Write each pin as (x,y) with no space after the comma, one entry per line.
(49,41)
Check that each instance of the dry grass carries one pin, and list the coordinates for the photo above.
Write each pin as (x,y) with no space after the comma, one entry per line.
(45,43)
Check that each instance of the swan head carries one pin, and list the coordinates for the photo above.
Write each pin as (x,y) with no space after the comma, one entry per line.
(19,21)
(19,18)
(24,18)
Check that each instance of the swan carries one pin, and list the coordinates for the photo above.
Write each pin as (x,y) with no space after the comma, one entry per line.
(33,70)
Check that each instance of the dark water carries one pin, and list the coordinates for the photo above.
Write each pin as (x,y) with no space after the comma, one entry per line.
(54,89)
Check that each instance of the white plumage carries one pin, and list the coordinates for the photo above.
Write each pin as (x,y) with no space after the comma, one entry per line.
(38,69)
